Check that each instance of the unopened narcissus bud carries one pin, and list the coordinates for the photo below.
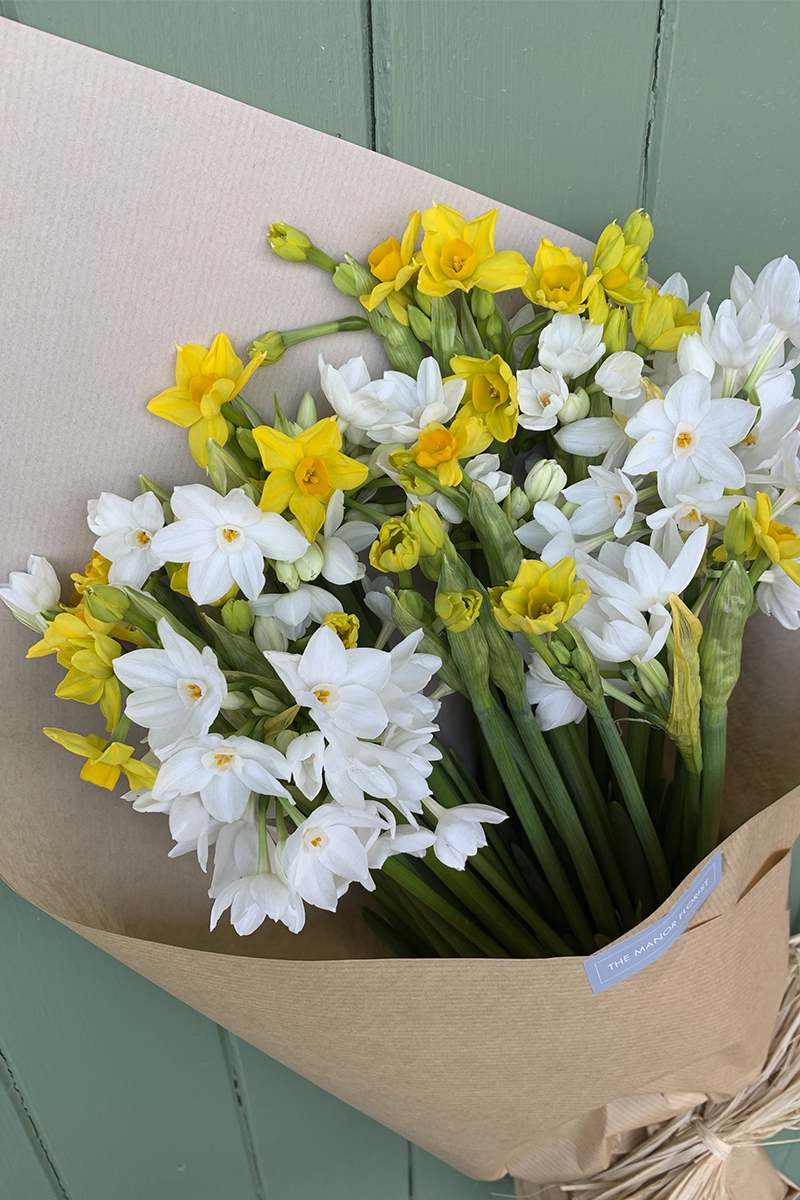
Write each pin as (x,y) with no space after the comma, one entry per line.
(288,242)
(615,331)
(420,325)
(270,344)
(106,603)
(638,230)
(519,506)
(267,634)
(345,626)
(286,574)
(344,279)
(482,303)
(309,566)
(237,616)
(458,610)
(424,521)
(739,539)
(545,481)
(575,407)
(307,412)
(396,548)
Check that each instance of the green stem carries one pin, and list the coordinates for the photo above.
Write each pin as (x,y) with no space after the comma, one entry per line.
(481,863)
(574,763)
(472,893)
(634,801)
(412,883)
(637,741)
(713,732)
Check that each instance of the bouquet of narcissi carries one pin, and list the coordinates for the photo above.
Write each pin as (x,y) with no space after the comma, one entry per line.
(571,503)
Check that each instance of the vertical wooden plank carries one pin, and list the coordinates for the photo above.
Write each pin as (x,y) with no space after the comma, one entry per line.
(312,1145)
(128,1085)
(302,59)
(24,1167)
(540,105)
(722,173)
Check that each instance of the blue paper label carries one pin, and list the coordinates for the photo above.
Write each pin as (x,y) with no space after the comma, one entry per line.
(625,958)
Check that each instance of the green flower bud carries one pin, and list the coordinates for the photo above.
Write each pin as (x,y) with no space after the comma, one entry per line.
(237,616)
(519,506)
(739,538)
(235,702)
(309,566)
(414,605)
(267,634)
(396,548)
(423,302)
(223,469)
(495,533)
(306,411)
(424,521)
(482,304)
(287,573)
(458,610)
(288,242)
(283,740)
(545,481)
(615,332)
(575,407)
(269,704)
(344,279)
(420,325)
(106,603)
(271,344)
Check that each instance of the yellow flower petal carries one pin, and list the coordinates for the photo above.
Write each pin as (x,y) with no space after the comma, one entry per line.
(278,452)
(87,747)
(175,405)
(189,362)
(320,439)
(479,233)
(248,373)
(279,488)
(222,360)
(310,512)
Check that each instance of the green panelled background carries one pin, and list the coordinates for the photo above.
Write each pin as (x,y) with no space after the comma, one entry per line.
(576,110)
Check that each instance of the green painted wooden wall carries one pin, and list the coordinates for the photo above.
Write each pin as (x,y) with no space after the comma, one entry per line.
(576,110)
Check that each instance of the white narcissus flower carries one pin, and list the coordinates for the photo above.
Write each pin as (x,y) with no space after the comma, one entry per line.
(253,898)
(325,855)
(556,703)
(607,499)
(176,692)
(777,294)
(593,436)
(459,830)
(294,611)
(402,695)
(126,530)
(541,396)
(396,770)
(570,345)
(686,437)
(418,402)
(193,828)
(225,540)
(406,839)
(223,772)
(30,593)
(358,401)
(620,377)
(340,542)
(692,355)
(340,687)
(483,467)
(779,597)
(778,417)
(305,756)
(734,340)
(676,285)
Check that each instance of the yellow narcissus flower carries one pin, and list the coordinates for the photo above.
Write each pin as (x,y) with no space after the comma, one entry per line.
(345,626)
(458,255)
(617,268)
(89,657)
(491,393)
(458,610)
(396,548)
(393,264)
(439,449)
(780,543)
(540,598)
(95,572)
(305,471)
(204,381)
(105,761)
(557,279)
(659,322)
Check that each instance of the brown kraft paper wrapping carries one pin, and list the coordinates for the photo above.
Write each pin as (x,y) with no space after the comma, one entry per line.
(116,246)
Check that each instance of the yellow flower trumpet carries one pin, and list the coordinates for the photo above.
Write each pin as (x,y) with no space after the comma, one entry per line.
(393,263)
(540,598)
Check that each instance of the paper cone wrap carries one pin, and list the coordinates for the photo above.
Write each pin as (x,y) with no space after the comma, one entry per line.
(135,211)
